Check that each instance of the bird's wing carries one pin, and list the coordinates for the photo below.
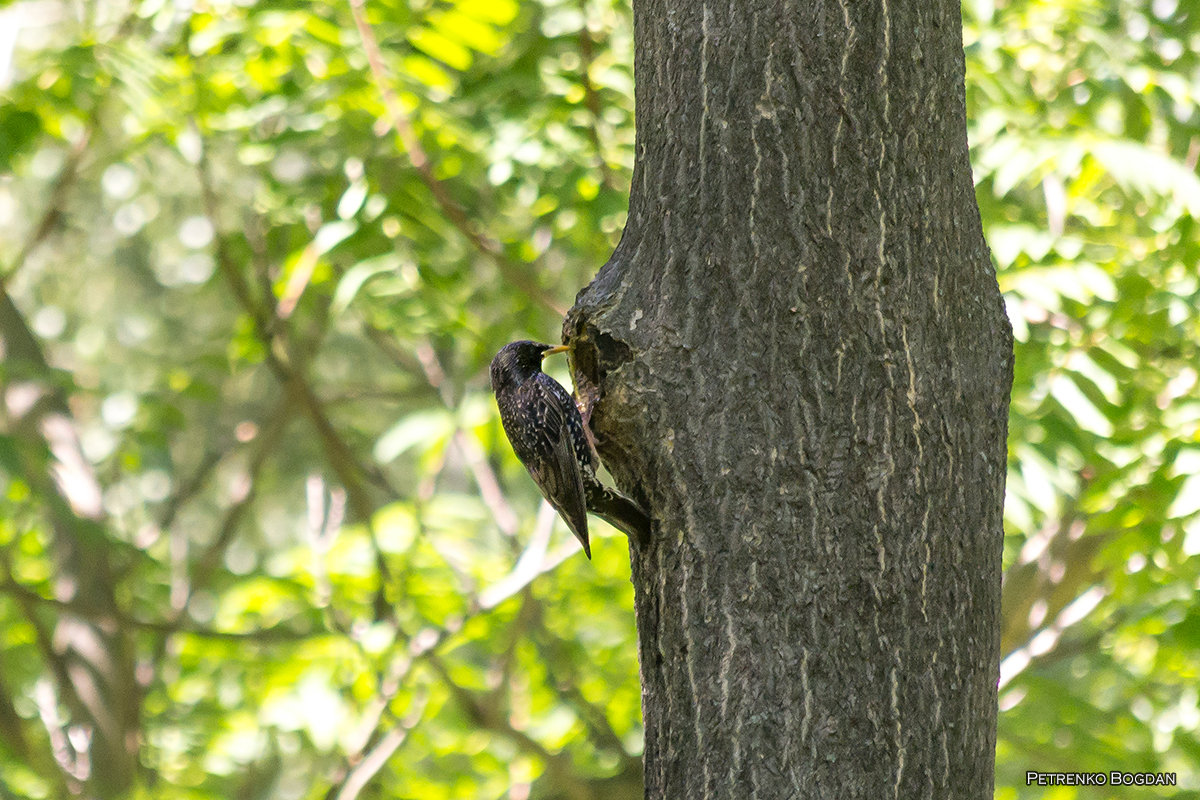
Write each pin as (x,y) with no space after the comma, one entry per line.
(558,473)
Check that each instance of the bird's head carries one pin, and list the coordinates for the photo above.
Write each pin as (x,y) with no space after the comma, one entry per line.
(517,362)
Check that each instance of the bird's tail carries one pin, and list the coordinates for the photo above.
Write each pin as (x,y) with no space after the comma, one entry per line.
(619,511)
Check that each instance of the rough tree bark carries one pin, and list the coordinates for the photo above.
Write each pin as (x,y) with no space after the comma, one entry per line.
(804,364)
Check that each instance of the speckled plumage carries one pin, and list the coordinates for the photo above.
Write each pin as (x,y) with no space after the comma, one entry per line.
(548,436)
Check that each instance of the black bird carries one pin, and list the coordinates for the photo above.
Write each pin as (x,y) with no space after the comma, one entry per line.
(547,433)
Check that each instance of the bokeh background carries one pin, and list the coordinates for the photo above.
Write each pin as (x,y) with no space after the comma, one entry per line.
(267,250)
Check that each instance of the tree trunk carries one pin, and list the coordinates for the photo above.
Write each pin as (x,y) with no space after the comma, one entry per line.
(89,654)
(804,367)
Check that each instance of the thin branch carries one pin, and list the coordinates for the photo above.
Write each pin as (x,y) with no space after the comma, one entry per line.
(274,634)
(488,483)
(514,273)
(348,395)
(256,239)
(534,561)
(435,375)
(53,214)
(189,488)
(371,761)
(1048,637)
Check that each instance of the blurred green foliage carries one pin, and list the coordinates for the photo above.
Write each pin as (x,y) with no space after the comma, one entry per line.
(1085,137)
(267,263)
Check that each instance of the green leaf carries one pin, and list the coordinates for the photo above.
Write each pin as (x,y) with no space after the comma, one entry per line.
(19,129)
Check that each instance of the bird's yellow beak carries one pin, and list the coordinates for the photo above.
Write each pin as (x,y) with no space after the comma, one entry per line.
(562,348)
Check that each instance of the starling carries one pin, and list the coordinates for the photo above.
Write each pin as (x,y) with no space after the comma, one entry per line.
(548,435)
